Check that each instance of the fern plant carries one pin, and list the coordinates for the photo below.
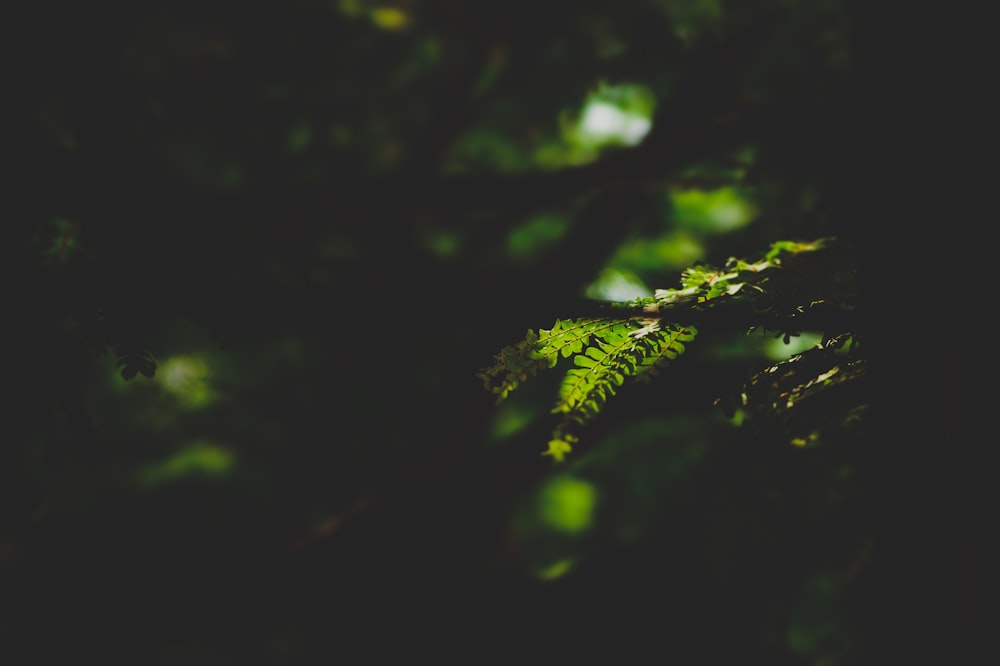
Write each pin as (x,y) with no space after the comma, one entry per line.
(793,286)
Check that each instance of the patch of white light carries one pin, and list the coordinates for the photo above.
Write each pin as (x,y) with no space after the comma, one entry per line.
(181,372)
(777,350)
(728,216)
(603,122)
(186,377)
(615,286)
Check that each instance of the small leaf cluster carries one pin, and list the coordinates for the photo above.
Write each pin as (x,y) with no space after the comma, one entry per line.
(134,358)
(814,396)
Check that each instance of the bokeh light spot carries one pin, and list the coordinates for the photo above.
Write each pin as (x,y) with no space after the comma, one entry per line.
(604,123)
(567,504)
(300,136)
(611,115)
(390,18)
(202,458)
(186,378)
(536,234)
(510,420)
(555,570)
(716,211)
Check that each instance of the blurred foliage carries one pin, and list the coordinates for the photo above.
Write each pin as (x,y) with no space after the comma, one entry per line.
(297,230)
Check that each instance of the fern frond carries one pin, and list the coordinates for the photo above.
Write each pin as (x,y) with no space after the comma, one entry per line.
(512,366)
(621,352)
(570,337)
(633,340)
(540,350)
(664,345)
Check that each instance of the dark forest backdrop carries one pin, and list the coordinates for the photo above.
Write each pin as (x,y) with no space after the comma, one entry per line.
(320,219)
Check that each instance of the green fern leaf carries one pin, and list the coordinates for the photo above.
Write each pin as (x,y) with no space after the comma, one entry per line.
(664,345)
(624,351)
(513,365)
(569,337)
(636,339)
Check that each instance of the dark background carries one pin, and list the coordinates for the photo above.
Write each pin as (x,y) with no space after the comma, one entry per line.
(336,213)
